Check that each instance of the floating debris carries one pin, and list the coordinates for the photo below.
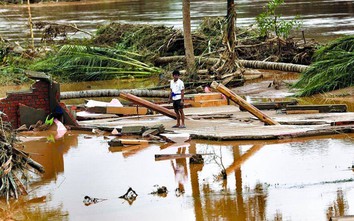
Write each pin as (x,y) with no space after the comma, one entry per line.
(14,164)
(129,196)
(89,200)
(161,191)
(196,159)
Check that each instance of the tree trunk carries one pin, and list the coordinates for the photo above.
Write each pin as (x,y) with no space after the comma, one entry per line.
(231,17)
(112,93)
(188,43)
(245,63)
(30,23)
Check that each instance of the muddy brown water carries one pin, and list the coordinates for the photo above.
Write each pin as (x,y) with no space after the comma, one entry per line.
(322,19)
(274,180)
(303,179)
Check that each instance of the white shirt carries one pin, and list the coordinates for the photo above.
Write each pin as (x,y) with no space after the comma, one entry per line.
(176,88)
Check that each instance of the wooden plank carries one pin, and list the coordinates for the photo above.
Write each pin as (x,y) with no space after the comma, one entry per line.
(127,110)
(271,105)
(100,110)
(209,103)
(149,105)
(159,157)
(206,96)
(240,101)
(302,111)
(121,142)
(325,108)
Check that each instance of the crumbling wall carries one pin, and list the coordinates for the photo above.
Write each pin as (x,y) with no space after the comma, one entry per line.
(36,97)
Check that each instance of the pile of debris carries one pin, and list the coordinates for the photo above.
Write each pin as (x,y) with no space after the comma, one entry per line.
(15,163)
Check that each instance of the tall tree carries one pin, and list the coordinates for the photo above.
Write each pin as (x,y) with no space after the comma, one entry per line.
(231,17)
(188,43)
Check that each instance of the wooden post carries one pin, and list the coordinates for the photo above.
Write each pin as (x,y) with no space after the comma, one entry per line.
(148,104)
(240,101)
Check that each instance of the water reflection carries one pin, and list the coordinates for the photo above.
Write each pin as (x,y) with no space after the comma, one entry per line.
(264,179)
(339,206)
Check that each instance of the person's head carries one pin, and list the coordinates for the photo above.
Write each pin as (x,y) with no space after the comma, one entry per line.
(176,74)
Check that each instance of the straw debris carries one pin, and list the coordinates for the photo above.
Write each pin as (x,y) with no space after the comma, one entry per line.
(15,164)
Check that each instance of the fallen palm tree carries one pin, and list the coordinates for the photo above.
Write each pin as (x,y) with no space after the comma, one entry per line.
(85,63)
(245,63)
(333,68)
(15,164)
(113,93)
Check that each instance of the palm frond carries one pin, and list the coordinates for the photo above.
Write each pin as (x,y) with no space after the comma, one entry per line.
(95,63)
(334,71)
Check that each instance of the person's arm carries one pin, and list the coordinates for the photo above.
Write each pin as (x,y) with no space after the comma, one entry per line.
(182,91)
(182,96)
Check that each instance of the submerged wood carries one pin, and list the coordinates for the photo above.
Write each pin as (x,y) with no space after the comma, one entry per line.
(240,101)
(245,63)
(271,105)
(113,93)
(324,108)
(172,156)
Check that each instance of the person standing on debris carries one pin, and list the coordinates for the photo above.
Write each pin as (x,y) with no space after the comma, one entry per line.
(177,96)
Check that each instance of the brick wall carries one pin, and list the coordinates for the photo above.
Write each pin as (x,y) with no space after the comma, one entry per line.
(36,97)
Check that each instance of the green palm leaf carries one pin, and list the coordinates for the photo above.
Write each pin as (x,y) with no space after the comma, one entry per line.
(78,62)
(333,69)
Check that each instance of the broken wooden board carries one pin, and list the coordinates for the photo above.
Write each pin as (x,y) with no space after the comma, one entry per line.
(149,105)
(97,110)
(302,111)
(240,101)
(205,100)
(127,110)
(121,142)
(159,157)
(330,108)
(271,105)
(209,103)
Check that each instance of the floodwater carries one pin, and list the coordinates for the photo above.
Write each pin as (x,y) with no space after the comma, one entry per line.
(303,179)
(322,19)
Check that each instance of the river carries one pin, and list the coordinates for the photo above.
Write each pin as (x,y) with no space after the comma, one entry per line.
(322,19)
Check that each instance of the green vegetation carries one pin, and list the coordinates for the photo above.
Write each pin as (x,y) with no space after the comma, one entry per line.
(270,21)
(332,69)
(84,63)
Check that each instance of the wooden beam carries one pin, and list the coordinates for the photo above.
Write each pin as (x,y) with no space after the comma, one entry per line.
(324,108)
(271,105)
(149,105)
(302,111)
(121,142)
(172,156)
(240,101)
(127,110)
